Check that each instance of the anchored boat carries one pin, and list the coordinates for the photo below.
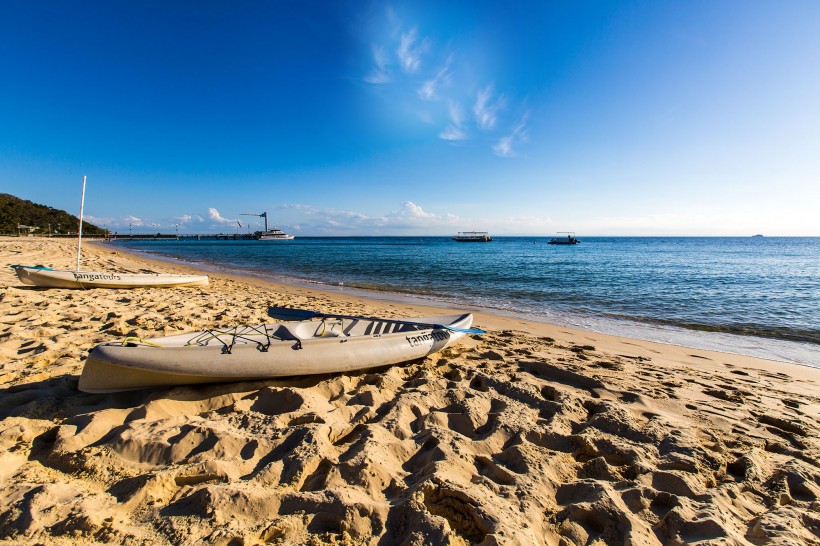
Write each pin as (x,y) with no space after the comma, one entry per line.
(331,344)
(274,234)
(564,238)
(472,237)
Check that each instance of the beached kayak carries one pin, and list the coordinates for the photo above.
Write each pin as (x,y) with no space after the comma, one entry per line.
(58,278)
(329,345)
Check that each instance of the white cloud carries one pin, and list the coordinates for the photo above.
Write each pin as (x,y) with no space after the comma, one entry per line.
(455,129)
(214,215)
(505,147)
(427,91)
(412,210)
(409,218)
(412,216)
(410,51)
(486,108)
(113,223)
(414,77)
(187,219)
(451,132)
(96,220)
(430,89)
(379,74)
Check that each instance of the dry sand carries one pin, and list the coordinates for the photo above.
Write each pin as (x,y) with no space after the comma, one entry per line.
(531,434)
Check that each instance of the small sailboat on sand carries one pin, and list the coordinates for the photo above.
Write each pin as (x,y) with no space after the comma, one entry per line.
(46,277)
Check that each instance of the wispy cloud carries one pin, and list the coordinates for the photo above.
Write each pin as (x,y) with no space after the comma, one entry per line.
(451,132)
(429,90)
(506,145)
(486,107)
(181,221)
(116,222)
(425,83)
(379,74)
(410,51)
(455,129)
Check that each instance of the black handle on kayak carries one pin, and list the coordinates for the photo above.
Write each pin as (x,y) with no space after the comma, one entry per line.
(288,313)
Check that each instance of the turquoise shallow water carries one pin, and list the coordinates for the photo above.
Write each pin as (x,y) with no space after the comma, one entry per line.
(743,292)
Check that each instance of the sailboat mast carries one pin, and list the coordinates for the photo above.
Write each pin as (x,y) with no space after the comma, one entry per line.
(80,230)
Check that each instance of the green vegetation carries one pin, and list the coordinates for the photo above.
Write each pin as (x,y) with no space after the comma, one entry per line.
(15,212)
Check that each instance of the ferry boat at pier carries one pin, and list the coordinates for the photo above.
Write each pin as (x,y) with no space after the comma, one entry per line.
(274,234)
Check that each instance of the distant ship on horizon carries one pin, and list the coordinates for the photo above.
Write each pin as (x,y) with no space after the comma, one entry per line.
(564,238)
(472,237)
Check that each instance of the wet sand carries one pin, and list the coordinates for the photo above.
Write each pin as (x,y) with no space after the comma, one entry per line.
(530,434)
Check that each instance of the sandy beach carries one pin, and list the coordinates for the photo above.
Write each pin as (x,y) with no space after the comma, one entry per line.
(530,434)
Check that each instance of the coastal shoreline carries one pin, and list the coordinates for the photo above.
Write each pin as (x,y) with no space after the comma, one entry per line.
(745,346)
(531,434)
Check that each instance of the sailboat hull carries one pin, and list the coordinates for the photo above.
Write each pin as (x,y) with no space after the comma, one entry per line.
(57,278)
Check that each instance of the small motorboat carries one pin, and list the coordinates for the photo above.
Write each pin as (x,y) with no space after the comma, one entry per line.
(472,237)
(564,238)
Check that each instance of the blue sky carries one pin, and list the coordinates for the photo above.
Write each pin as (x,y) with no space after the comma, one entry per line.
(357,118)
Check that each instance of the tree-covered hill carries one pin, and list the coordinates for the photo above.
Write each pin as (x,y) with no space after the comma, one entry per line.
(15,211)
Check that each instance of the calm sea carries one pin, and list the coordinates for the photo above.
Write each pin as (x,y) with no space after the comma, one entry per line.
(758,296)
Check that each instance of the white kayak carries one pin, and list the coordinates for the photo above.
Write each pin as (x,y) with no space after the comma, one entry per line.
(267,351)
(59,278)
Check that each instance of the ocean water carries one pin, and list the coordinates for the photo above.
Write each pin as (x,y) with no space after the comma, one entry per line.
(758,296)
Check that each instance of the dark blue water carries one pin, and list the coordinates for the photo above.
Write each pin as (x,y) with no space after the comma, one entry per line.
(766,288)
